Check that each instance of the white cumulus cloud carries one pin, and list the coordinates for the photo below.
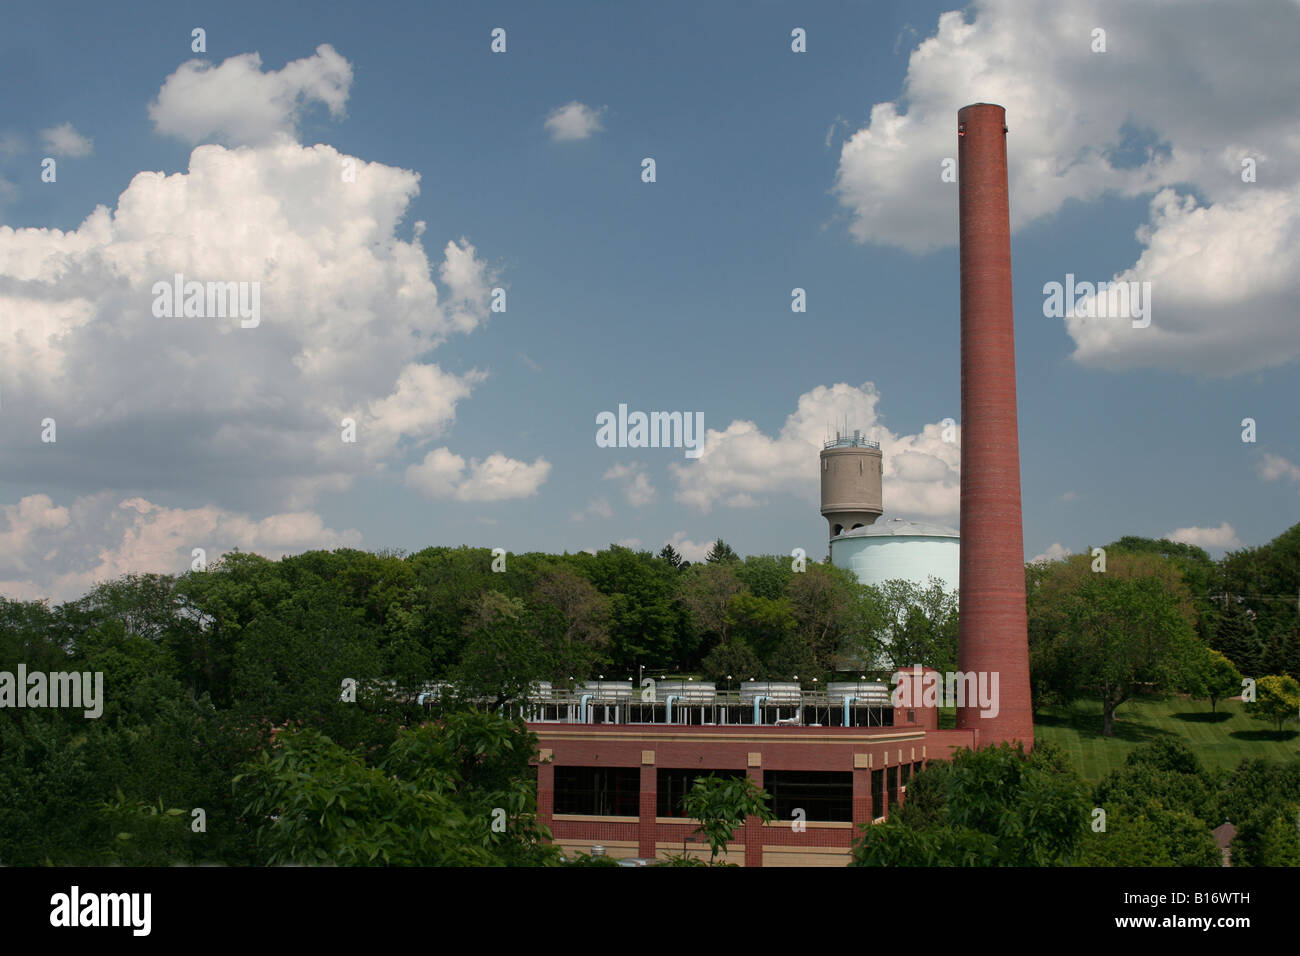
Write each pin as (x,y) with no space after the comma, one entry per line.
(637,488)
(349,315)
(741,464)
(596,508)
(443,474)
(1219,538)
(237,430)
(1055,552)
(237,104)
(573,121)
(692,551)
(61,552)
(64,141)
(1274,467)
(1153,115)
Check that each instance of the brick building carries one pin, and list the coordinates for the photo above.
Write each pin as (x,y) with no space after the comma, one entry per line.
(613,770)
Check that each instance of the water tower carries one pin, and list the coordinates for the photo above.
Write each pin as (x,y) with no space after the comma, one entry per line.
(851,467)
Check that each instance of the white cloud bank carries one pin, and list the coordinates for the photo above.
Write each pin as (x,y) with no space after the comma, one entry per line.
(1221,537)
(64,141)
(204,414)
(238,104)
(443,474)
(60,552)
(1055,552)
(692,551)
(1158,114)
(740,464)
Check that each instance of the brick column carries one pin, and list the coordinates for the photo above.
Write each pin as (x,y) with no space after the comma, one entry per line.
(753,831)
(861,796)
(545,792)
(648,808)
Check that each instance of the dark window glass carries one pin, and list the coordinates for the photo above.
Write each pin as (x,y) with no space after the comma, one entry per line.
(891,786)
(598,791)
(823,796)
(877,793)
(673,784)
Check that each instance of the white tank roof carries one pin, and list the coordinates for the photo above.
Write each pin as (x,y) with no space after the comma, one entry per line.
(885,527)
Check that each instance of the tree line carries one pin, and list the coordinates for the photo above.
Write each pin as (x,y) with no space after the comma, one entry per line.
(223,737)
(1154,616)
(999,807)
(222,727)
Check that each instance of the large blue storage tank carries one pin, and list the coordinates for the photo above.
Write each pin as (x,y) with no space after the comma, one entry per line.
(897,548)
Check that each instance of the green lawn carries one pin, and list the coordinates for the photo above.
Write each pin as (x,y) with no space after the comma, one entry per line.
(1220,740)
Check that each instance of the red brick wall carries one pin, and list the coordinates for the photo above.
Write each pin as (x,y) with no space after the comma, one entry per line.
(728,748)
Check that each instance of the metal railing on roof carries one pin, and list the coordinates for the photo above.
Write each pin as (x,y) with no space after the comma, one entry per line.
(850,441)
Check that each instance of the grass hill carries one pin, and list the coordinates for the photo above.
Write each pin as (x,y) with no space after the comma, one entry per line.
(1221,740)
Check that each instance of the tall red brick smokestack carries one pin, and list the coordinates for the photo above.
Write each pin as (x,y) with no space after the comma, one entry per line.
(993,636)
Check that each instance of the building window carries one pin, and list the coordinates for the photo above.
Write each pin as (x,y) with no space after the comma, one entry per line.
(891,786)
(823,796)
(672,785)
(598,791)
(878,793)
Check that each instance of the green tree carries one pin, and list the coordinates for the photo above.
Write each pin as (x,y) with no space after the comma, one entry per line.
(1150,835)
(1270,837)
(834,616)
(721,805)
(646,625)
(991,807)
(1213,676)
(507,650)
(896,845)
(734,660)
(1263,583)
(1107,634)
(1233,633)
(721,553)
(765,575)
(143,834)
(1277,700)
(705,591)
(671,555)
(1135,787)
(431,800)
(1167,753)
(1255,784)
(762,623)
(919,624)
(311,801)
(585,610)
(1193,564)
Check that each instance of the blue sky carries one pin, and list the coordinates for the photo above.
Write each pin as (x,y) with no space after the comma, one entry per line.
(775,170)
